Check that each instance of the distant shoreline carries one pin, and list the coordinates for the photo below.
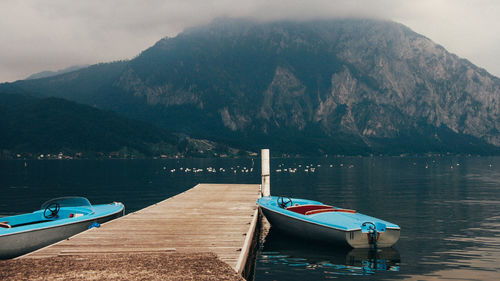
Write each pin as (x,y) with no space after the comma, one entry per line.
(104,156)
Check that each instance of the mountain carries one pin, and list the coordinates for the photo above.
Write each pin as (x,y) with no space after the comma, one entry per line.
(347,86)
(48,73)
(33,126)
(53,125)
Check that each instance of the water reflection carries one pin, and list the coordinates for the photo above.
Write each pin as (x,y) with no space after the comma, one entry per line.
(472,254)
(288,258)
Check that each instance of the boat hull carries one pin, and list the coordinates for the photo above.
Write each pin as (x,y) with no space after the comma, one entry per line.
(18,244)
(303,229)
(355,238)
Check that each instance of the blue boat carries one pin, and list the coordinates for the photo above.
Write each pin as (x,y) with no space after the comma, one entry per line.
(56,220)
(315,220)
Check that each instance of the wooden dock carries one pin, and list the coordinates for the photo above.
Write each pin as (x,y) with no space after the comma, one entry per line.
(216,218)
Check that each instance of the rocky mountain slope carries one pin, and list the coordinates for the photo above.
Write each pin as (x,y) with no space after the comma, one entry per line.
(337,86)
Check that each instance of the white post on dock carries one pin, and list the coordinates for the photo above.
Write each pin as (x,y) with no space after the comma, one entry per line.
(266,173)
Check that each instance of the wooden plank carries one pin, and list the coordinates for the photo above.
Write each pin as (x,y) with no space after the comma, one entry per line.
(206,218)
(240,263)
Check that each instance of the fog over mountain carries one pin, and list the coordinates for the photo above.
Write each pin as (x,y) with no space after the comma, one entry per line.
(346,86)
(50,35)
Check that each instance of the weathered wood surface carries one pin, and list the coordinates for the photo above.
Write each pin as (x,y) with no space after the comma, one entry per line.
(207,218)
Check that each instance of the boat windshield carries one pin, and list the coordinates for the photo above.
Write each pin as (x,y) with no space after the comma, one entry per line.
(80,202)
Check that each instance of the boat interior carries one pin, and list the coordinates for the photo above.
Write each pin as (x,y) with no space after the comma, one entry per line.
(42,217)
(316,209)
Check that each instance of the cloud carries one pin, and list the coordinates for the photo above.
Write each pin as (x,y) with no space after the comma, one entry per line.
(50,35)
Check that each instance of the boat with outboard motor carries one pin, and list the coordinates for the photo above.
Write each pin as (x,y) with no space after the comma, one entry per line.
(335,260)
(315,220)
(56,220)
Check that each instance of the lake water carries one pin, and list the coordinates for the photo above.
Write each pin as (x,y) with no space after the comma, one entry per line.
(447,207)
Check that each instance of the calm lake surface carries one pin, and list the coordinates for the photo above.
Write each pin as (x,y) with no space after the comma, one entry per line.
(448,207)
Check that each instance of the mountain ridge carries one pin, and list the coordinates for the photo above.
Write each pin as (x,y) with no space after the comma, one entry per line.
(332,86)
(50,73)
(47,128)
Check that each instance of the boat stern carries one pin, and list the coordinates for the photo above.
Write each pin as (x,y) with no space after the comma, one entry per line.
(365,239)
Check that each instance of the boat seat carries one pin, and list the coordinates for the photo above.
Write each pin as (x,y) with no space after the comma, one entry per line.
(303,209)
(317,211)
(5,224)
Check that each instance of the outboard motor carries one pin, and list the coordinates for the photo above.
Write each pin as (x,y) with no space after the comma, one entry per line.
(373,231)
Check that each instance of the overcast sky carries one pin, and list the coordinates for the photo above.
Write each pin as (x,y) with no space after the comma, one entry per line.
(37,35)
